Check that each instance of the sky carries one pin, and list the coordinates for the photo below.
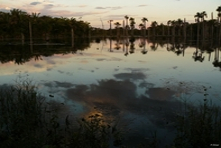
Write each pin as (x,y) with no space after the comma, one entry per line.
(98,12)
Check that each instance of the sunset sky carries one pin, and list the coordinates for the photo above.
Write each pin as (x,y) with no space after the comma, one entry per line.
(97,11)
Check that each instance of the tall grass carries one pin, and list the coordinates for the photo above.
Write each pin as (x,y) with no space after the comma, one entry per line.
(21,115)
(27,121)
(199,126)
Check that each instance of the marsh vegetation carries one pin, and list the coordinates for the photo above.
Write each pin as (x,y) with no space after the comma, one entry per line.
(29,120)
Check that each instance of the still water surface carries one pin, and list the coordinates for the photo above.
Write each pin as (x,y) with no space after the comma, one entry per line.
(141,83)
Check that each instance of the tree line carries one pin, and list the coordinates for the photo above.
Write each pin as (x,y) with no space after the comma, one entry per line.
(19,25)
(200,30)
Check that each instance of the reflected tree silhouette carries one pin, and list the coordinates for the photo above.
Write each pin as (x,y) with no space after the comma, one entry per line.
(21,54)
(154,46)
(217,62)
(110,45)
(38,57)
(132,47)
(117,45)
(178,49)
(142,44)
(127,45)
(198,55)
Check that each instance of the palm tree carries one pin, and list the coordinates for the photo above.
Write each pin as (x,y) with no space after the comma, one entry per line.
(126,27)
(5,25)
(72,23)
(203,15)
(174,24)
(117,24)
(184,28)
(197,19)
(162,26)
(219,21)
(168,27)
(110,22)
(18,19)
(32,19)
(132,25)
(45,26)
(144,20)
(154,25)
(141,26)
(219,13)
(179,23)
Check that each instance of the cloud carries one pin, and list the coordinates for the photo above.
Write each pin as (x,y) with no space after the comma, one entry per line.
(35,3)
(38,65)
(137,69)
(112,8)
(82,6)
(115,8)
(49,5)
(59,84)
(48,1)
(101,7)
(5,10)
(64,84)
(142,5)
(116,17)
(47,10)
(112,59)
(131,76)
(113,98)
(160,93)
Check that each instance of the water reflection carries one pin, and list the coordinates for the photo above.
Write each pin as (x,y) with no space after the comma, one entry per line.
(118,99)
(217,62)
(22,54)
(198,55)
(125,78)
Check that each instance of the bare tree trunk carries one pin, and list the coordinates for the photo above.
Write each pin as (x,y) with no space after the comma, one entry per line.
(30,33)
(184,29)
(132,32)
(203,30)
(168,31)
(145,29)
(126,28)
(219,34)
(72,37)
(198,31)
(191,31)
(163,30)
(123,28)
(212,30)
(47,37)
(22,39)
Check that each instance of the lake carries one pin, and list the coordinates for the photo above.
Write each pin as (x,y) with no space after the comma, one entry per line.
(141,84)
